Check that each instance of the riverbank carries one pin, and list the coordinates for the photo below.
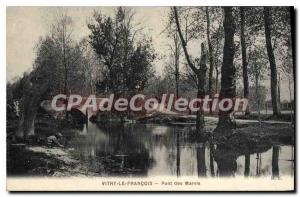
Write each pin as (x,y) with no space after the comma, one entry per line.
(28,160)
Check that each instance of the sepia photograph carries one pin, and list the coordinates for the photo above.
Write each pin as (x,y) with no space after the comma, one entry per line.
(150,98)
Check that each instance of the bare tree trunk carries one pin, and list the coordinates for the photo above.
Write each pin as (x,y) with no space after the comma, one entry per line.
(225,123)
(292,24)
(64,60)
(200,73)
(30,105)
(216,60)
(244,57)
(279,81)
(290,92)
(210,51)
(217,64)
(200,94)
(217,79)
(65,63)
(176,80)
(183,42)
(30,102)
(176,62)
(267,24)
(291,104)
(257,99)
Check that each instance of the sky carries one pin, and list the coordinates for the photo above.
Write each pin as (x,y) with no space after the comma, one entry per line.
(26,25)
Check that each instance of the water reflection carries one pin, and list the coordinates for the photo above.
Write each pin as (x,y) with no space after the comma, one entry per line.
(258,164)
(201,165)
(211,160)
(247,164)
(155,150)
(226,160)
(177,154)
(275,157)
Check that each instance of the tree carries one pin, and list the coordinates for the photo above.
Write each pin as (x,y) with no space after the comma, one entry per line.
(157,85)
(217,41)
(62,35)
(140,69)
(189,79)
(274,83)
(257,69)
(281,37)
(200,71)
(255,31)
(36,86)
(90,66)
(206,25)
(53,58)
(115,43)
(175,49)
(228,71)
(210,52)
(287,70)
(292,40)
(244,56)
(176,61)
(275,158)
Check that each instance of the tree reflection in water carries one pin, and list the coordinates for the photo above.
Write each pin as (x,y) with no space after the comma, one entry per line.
(258,164)
(275,167)
(177,153)
(211,159)
(226,160)
(201,166)
(247,165)
(156,150)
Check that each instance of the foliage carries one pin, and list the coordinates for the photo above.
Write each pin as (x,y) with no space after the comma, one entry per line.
(127,61)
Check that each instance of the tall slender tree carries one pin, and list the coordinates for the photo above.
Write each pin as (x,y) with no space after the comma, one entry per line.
(257,69)
(200,72)
(175,48)
(62,34)
(225,123)
(210,52)
(274,83)
(244,56)
(217,41)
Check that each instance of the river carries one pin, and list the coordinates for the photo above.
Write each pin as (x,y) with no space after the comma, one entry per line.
(156,150)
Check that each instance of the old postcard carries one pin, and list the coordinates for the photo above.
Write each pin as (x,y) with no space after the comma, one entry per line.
(150,98)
